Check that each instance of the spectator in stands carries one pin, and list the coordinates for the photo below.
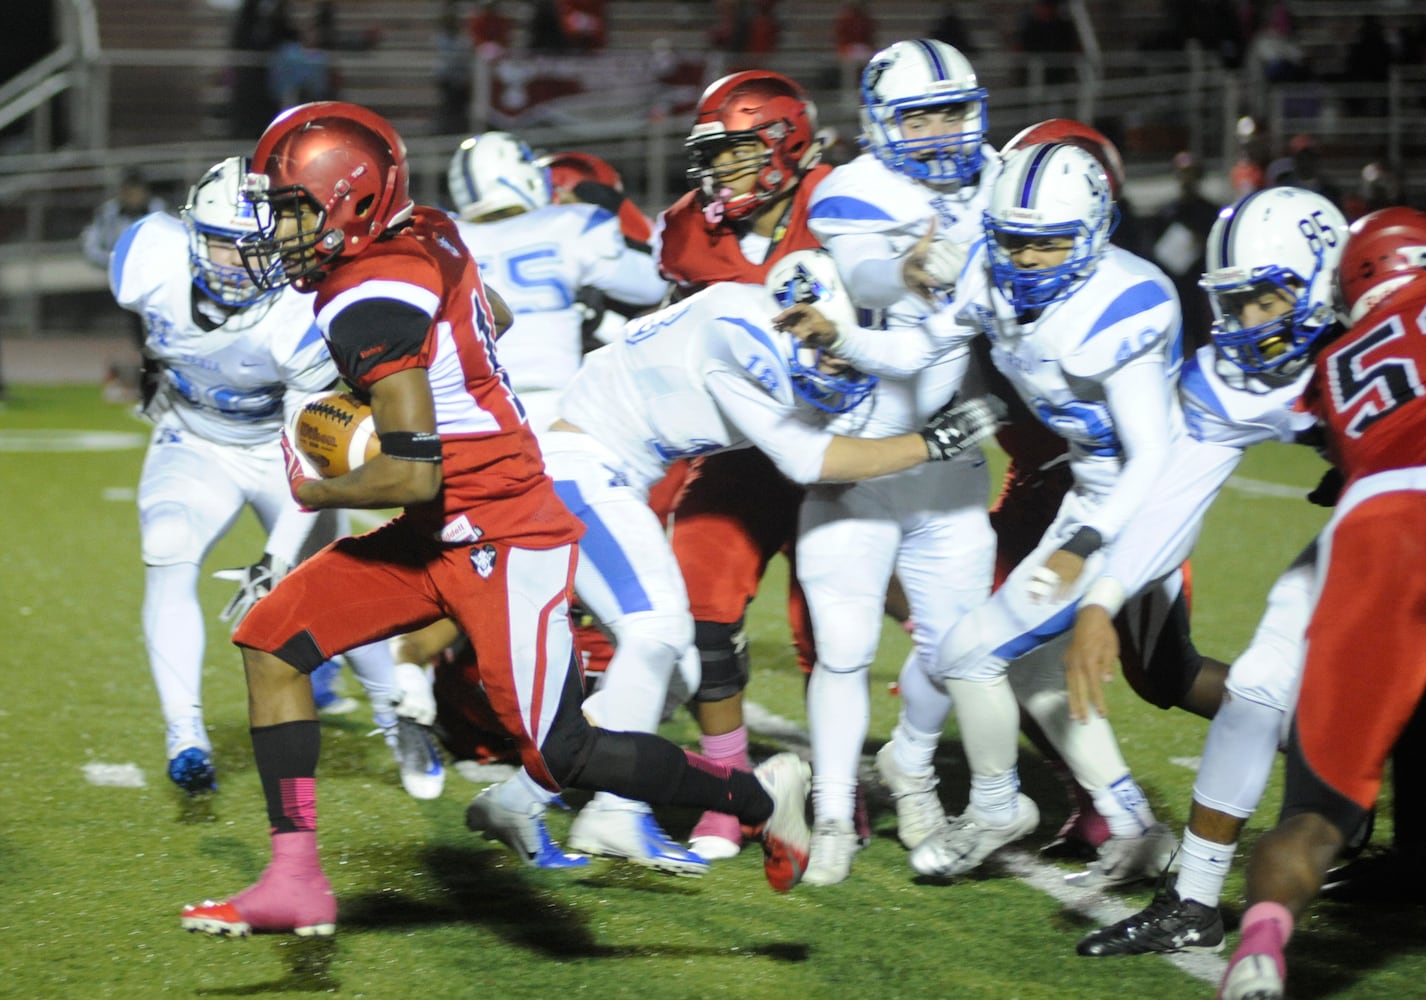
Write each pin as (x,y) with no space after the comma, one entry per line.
(854,32)
(546,32)
(135,199)
(1044,34)
(490,31)
(299,70)
(1302,167)
(455,55)
(584,23)
(950,28)
(1249,171)
(1379,187)
(764,31)
(1180,233)
(259,27)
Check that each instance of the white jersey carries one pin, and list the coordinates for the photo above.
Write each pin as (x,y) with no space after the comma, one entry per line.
(538,261)
(226,375)
(865,212)
(1226,412)
(1115,344)
(705,374)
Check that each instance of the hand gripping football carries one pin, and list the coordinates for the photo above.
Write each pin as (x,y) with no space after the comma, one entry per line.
(337,433)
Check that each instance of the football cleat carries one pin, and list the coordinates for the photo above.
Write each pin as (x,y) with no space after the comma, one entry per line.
(834,841)
(523,833)
(786,839)
(325,696)
(1389,876)
(415,747)
(1253,976)
(963,844)
(192,770)
(716,837)
(1168,924)
(292,896)
(1123,860)
(1079,838)
(630,831)
(919,812)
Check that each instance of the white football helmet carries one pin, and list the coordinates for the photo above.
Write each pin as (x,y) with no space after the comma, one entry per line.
(1278,240)
(216,214)
(1046,191)
(923,73)
(809,277)
(496,172)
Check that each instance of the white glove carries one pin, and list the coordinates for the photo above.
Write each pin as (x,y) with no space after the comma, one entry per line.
(944,262)
(254,582)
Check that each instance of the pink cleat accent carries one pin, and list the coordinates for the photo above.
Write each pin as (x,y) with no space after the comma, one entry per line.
(291,896)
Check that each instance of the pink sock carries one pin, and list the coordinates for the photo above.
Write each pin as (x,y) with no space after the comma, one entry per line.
(728,748)
(1266,929)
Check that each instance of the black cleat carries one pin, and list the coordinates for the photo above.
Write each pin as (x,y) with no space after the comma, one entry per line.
(1168,924)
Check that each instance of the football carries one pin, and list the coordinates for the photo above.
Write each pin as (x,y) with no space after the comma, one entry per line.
(336,433)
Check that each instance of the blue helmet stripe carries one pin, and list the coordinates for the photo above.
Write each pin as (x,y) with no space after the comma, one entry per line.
(934,58)
(1033,176)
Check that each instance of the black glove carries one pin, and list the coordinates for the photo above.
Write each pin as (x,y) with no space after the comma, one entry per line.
(1328,488)
(253,582)
(960,426)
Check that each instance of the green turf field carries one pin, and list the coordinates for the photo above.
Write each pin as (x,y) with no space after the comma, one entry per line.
(92,876)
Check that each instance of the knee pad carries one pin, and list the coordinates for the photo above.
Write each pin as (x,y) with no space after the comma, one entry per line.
(168,536)
(723,656)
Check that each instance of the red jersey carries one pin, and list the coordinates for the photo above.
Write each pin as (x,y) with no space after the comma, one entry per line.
(694,254)
(415,300)
(1369,388)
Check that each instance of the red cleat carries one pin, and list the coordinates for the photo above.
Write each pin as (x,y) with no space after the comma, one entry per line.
(292,896)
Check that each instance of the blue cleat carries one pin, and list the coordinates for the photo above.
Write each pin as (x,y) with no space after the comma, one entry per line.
(624,829)
(192,770)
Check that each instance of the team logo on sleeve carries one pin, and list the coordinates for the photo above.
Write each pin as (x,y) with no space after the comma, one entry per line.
(483,559)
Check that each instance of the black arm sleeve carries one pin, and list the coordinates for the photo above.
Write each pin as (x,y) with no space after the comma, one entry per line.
(374,332)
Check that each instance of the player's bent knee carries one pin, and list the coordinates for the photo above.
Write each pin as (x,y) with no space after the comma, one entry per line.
(668,628)
(168,536)
(723,656)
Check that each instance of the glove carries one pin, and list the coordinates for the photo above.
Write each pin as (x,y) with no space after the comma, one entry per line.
(253,583)
(299,470)
(1328,488)
(958,427)
(944,261)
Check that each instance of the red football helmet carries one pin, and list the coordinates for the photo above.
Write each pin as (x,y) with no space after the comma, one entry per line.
(329,178)
(1075,133)
(569,168)
(1385,250)
(754,106)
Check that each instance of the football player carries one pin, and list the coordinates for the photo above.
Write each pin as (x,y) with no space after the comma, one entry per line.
(703,375)
(898,220)
(539,254)
(1368,396)
(1102,328)
(754,161)
(483,537)
(232,359)
(1272,263)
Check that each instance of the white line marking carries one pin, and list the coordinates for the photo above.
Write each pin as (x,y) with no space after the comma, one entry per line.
(54,440)
(1262,488)
(114,775)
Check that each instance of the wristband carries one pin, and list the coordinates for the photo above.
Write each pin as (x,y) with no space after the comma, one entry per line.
(1083,543)
(1106,593)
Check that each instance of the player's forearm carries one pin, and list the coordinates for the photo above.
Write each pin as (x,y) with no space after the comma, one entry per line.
(849,459)
(379,483)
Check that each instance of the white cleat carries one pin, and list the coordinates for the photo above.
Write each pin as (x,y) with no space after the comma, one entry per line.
(963,844)
(919,812)
(524,833)
(1252,977)
(834,841)
(416,749)
(1124,860)
(786,839)
(630,831)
